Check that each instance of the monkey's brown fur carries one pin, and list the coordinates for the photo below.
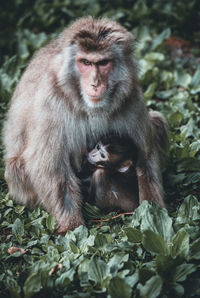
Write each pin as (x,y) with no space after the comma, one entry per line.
(51,121)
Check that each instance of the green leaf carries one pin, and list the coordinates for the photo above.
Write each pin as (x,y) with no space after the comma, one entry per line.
(154,56)
(182,78)
(160,38)
(188,211)
(13,288)
(32,285)
(23,50)
(51,223)
(118,288)
(117,262)
(195,82)
(166,266)
(195,250)
(98,270)
(18,230)
(73,247)
(152,288)
(154,243)
(133,235)
(101,240)
(65,278)
(183,271)
(155,218)
(178,289)
(164,94)
(81,234)
(145,273)
(180,244)
(150,91)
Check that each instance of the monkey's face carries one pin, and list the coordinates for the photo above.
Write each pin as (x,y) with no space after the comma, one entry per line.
(99,155)
(94,70)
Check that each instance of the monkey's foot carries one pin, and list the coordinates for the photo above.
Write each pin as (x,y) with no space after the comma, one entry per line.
(70,223)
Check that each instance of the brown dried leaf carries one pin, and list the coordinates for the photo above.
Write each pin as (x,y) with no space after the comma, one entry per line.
(14,249)
(55,269)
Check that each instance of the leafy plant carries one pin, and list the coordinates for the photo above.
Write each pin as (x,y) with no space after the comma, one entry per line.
(154,252)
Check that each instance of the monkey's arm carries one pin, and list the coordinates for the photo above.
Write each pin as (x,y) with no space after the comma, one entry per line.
(150,136)
(150,181)
(150,174)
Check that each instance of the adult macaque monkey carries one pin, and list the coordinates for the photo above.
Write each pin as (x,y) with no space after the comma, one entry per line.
(76,89)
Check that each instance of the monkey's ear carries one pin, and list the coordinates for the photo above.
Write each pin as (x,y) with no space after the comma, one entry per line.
(125,166)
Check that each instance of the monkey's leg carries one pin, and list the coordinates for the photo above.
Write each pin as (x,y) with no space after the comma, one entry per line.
(50,192)
(20,188)
(67,210)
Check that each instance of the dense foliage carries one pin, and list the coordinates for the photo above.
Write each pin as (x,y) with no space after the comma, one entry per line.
(154,252)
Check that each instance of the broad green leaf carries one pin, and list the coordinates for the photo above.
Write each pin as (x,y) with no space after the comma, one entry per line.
(188,211)
(65,278)
(195,82)
(166,266)
(118,288)
(89,242)
(164,94)
(155,56)
(81,234)
(133,235)
(188,129)
(73,247)
(153,217)
(51,223)
(180,244)
(32,285)
(117,262)
(150,91)
(18,230)
(98,270)
(178,289)
(182,271)
(195,250)
(195,147)
(176,117)
(145,273)
(154,243)
(100,240)
(160,38)
(12,285)
(152,288)
(23,50)
(182,78)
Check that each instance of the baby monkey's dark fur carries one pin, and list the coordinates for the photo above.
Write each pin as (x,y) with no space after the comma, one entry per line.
(109,176)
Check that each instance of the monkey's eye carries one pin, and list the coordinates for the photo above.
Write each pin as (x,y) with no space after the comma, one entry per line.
(103,62)
(98,147)
(103,155)
(86,62)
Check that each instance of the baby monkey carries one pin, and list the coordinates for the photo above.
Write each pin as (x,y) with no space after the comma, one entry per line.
(111,175)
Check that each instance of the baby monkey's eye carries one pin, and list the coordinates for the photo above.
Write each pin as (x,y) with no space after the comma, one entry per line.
(103,155)
(98,147)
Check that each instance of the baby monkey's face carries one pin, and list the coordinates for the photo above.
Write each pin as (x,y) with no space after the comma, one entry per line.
(99,155)
(103,156)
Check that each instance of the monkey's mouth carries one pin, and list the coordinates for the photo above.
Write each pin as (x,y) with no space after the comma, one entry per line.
(94,98)
(90,160)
